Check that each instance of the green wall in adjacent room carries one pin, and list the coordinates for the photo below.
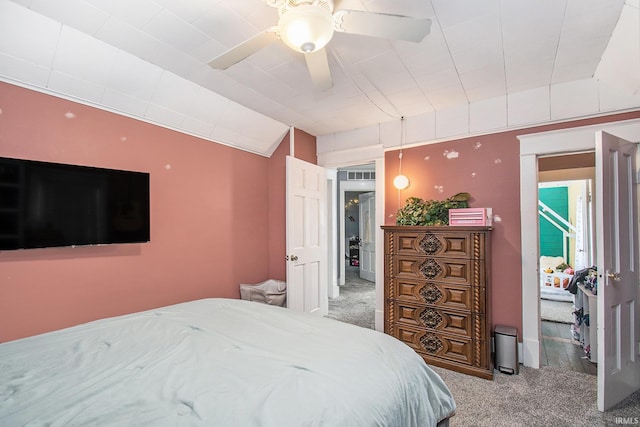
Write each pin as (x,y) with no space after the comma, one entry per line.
(557,198)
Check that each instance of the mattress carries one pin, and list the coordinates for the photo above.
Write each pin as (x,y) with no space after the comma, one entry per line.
(218,362)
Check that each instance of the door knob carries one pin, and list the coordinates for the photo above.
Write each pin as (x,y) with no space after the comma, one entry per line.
(614,276)
(293,258)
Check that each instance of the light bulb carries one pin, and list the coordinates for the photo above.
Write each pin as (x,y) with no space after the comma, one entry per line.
(306,28)
(401,182)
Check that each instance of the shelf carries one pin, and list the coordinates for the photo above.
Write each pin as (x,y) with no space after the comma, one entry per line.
(588,301)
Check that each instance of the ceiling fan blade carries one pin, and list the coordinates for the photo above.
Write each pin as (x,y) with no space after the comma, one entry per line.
(244,49)
(386,26)
(318,66)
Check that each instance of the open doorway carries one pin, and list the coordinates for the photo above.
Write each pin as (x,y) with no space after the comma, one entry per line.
(607,195)
(352,181)
(355,301)
(566,248)
(359,220)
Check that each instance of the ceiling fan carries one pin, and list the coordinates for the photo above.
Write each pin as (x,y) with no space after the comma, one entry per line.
(306,26)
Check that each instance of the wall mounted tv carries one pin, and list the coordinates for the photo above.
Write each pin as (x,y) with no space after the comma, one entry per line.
(50,204)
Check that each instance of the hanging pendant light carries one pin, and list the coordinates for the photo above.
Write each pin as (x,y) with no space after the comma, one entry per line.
(401,181)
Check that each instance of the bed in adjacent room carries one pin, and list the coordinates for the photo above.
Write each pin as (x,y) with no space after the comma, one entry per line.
(218,362)
(554,282)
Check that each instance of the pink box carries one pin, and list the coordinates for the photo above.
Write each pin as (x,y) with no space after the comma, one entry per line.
(470,216)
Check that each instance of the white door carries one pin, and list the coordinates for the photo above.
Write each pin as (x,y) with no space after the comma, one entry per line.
(306,237)
(367,206)
(617,261)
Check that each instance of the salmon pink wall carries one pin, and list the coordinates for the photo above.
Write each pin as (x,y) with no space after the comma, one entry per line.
(210,214)
(487,167)
(304,149)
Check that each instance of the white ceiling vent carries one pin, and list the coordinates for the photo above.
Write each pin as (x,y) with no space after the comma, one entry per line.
(361,175)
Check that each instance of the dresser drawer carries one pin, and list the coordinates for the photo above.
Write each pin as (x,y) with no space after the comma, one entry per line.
(447,243)
(444,295)
(436,344)
(455,322)
(449,270)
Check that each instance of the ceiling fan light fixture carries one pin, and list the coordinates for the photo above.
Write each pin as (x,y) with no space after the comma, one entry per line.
(306,28)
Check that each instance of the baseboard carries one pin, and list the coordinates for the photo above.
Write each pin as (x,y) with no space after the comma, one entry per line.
(379,320)
(334,291)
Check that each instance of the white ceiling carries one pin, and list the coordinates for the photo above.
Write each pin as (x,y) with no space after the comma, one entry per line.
(148,59)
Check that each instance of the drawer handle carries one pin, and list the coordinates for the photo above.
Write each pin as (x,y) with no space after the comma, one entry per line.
(430,269)
(431,343)
(430,244)
(430,293)
(431,318)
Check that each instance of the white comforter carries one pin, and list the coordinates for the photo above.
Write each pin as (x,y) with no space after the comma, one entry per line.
(218,362)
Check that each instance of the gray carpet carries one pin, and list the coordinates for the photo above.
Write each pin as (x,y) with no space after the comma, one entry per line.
(535,397)
(357,301)
(556,311)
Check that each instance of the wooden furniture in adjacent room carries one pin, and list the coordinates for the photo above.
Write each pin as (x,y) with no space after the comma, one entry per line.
(354,251)
(437,295)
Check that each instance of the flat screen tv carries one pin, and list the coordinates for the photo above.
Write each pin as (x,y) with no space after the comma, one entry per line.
(50,204)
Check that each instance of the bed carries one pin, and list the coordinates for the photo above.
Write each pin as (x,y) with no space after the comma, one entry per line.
(218,362)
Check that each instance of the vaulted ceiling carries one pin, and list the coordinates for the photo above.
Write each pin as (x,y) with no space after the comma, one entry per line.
(149,59)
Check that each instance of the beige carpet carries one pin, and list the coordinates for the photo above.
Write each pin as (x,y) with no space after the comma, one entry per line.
(545,397)
(556,311)
(357,301)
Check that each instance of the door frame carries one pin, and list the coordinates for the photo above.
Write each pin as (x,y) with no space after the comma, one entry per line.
(359,156)
(348,186)
(532,146)
(332,233)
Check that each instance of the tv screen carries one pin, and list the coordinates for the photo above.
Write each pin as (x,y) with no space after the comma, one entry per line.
(50,204)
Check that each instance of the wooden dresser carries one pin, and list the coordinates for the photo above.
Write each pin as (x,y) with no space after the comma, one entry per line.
(437,300)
